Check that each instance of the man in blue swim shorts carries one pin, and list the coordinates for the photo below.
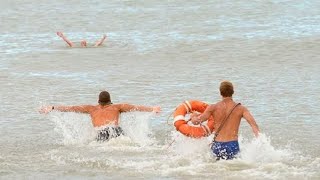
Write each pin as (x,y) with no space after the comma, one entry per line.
(227,115)
(225,150)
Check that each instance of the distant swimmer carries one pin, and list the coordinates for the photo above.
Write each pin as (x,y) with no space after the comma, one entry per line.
(227,115)
(83,43)
(105,115)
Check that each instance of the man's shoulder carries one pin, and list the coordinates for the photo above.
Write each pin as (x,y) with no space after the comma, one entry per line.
(118,105)
(213,106)
(241,108)
(219,103)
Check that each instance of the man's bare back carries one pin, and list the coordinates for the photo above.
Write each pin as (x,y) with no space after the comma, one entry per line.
(105,115)
(230,129)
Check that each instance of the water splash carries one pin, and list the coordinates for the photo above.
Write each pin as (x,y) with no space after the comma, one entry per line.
(260,150)
(139,152)
(74,128)
(137,126)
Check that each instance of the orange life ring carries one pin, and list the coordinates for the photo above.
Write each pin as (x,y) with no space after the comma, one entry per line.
(181,123)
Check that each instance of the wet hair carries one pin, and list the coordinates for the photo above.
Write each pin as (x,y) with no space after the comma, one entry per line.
(226,89)
(104,98)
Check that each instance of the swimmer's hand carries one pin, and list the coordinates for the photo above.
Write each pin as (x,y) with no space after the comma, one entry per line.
(156,109)
(46,109)
(60,34)
(195,118)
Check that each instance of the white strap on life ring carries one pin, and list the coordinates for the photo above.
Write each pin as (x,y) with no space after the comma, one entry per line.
(189,106)
(177,118)
(207,129)
(186,106)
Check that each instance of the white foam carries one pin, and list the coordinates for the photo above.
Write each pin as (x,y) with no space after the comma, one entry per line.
(73,128)
(260,150)
(138,150)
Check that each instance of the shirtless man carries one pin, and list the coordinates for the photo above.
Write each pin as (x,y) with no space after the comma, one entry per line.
(227,115)
(83,43)
(104,116)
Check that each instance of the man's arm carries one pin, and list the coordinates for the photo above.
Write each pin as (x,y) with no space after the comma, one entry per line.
(204,116)
(77,109)
(129,107)
(99,43)
(252,122)
(60,34)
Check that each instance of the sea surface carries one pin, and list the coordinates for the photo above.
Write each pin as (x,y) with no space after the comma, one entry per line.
(158,53)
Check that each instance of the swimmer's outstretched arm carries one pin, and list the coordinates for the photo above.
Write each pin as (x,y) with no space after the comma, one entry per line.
(99,43)
(77,109)
(60,34)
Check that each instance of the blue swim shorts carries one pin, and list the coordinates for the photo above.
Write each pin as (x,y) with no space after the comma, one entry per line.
(225,150)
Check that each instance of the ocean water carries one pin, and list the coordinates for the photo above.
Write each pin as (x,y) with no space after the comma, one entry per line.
(158,53)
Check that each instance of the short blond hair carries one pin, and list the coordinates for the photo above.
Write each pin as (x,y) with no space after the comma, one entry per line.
(226,89)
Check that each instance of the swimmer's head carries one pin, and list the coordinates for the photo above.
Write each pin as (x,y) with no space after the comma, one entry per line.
(226,89)
(104,98)
(83,43)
